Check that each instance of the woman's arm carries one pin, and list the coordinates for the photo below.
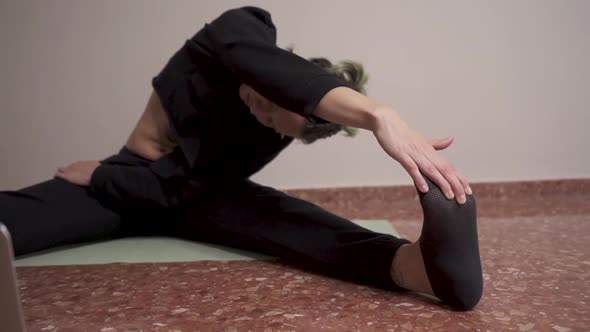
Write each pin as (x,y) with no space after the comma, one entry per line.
(131,186)
(348,107)
(161,184)
(243,40)
(413,151)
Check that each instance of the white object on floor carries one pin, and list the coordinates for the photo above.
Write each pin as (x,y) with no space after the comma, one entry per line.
(11,311)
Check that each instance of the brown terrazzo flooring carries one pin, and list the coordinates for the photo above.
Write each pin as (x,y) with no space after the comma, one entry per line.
(533,242)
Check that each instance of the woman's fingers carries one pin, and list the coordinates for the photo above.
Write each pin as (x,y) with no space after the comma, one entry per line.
(464,183)
(63,172)
(433,173)
(418,166)
(449,173)
(442,173)
(412,168)
(455,180)
(60,174)
(67,175)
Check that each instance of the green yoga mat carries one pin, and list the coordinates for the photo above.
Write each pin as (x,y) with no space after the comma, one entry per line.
(156,249)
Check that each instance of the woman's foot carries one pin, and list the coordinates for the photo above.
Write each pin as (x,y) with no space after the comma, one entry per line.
(446,257)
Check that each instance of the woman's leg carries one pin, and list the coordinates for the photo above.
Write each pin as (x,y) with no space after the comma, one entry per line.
(56,212)
(259,218)
(444,261)
(53,213)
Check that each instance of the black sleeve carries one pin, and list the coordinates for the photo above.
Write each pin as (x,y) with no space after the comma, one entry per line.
(243,40)
(132,186)
(161,184)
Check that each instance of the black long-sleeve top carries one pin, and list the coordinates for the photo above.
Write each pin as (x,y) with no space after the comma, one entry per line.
(219,141)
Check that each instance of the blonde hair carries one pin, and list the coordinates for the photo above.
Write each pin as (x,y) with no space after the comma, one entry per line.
(354,75)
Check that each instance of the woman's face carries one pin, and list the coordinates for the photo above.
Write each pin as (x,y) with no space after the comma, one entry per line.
(271,114)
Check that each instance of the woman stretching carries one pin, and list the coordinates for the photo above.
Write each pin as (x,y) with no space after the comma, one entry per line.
(225,105)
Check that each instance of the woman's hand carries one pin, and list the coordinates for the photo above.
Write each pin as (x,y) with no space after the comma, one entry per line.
(78,173)
(418,155)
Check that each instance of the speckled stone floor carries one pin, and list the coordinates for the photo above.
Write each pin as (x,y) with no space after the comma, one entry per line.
(533,241)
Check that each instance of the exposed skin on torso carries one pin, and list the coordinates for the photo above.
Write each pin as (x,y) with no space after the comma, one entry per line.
(152,137)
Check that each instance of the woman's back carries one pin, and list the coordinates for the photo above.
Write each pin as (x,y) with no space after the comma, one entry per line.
(152,136)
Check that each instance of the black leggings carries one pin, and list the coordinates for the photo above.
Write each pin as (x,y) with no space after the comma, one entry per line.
(244,215)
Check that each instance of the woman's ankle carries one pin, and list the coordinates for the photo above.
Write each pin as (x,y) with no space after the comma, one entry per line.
(408,270)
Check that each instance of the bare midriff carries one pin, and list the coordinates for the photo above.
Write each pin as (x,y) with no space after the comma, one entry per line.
(152,137)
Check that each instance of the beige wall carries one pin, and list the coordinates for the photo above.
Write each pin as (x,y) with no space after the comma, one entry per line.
(509,79)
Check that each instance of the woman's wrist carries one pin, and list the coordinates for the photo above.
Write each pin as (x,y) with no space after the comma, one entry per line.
(348,107)
(384,115)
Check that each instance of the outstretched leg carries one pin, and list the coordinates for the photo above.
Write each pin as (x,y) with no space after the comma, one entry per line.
(259,218)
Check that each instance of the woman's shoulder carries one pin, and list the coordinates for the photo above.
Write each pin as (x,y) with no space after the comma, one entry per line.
(246,14)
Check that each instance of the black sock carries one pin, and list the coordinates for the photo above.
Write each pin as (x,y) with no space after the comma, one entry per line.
(450,248)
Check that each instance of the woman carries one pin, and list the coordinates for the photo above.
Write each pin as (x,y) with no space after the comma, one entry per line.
(226,104)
